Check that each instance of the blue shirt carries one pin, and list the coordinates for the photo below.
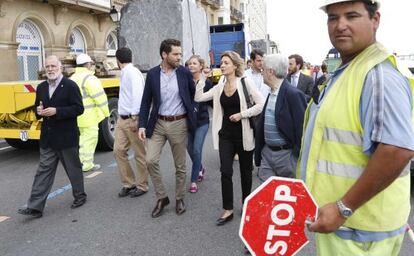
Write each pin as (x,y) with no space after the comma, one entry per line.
(384,109)
(271,132)
(171,102)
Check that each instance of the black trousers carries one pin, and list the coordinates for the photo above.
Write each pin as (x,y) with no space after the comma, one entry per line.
(45,175)
(228,147)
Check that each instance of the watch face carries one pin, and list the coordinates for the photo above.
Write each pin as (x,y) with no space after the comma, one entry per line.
(347,213)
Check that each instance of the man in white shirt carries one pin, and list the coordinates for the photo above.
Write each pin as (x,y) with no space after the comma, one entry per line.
(255,72)
(129,103)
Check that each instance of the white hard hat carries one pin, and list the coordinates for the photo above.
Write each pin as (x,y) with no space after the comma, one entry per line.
(83,58)
(329,2)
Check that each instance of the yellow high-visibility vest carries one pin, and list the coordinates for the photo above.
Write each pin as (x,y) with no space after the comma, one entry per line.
(94,98)
(336,159)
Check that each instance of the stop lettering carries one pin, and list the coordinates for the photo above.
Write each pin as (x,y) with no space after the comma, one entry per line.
(274,217)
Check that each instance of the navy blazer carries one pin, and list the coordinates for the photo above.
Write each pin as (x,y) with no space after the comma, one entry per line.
(61,130)
(289,112)
(151,99)
(305,84)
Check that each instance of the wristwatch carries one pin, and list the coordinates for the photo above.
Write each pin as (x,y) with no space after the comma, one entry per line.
(345,211)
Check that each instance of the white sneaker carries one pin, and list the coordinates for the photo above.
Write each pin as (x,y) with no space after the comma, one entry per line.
(94,168)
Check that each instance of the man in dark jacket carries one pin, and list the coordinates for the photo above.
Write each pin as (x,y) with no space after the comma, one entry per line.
(167,113)
(59,103)
(297,79)
(279,129)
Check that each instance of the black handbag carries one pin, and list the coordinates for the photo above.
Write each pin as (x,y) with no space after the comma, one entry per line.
(252,119)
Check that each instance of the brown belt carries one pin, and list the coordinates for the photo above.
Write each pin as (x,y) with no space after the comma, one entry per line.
(172,118)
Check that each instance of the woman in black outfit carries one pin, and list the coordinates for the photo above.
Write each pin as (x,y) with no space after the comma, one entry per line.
(231,129)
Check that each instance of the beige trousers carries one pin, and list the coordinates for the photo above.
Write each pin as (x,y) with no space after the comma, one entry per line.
(124,140)
(176,134)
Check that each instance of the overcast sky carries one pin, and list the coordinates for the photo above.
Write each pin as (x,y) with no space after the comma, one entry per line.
(299,26)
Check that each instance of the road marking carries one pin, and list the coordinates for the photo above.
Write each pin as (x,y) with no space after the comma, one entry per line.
(3,218)
(59,191)
(114,164)
(5,148)
(92,175)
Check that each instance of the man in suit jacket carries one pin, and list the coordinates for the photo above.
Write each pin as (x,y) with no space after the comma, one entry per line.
(59,103)
(297,78)
(169,93)
(279,129)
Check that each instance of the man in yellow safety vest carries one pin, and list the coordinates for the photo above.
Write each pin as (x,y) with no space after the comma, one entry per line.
(95,103)
(358,140)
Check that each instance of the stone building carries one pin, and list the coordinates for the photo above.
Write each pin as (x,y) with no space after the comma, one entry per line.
(33,29)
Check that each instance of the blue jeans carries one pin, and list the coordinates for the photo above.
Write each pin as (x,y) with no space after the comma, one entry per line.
(195,149)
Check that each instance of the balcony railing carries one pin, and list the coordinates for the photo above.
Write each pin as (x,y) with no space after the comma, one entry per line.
(214,4)
(236,14)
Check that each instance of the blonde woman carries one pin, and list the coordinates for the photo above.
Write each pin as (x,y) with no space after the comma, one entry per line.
(231,129)
(196,141)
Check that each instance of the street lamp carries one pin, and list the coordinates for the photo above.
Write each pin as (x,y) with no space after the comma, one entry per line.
(114,14)
(115,18)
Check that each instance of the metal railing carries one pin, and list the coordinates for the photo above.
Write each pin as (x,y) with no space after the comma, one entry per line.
(236,14)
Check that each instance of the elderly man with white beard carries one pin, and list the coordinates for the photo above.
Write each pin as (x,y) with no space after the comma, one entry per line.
(59,103)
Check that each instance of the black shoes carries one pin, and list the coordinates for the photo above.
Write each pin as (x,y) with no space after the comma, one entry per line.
(161,203)
(125,191)
(78,203)
(222,221)
(180,207)
(30,212)
(136,192)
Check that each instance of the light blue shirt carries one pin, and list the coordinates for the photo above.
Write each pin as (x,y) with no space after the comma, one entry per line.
(385,113)
(171,102)
(271,133)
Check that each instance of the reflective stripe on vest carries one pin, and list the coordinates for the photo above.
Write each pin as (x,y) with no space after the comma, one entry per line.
(346,170)
(342,136)
(85,94)
(94,105)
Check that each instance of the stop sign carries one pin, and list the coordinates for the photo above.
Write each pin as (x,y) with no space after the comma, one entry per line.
(274,215)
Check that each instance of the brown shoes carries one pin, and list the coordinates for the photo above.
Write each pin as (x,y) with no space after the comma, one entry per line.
(180,207)
(161,203)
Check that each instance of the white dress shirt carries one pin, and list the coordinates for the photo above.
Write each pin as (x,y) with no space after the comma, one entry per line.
(258,81)
(294,79)
(130,91)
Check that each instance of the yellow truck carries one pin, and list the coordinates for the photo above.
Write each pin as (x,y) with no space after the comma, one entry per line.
(18,123)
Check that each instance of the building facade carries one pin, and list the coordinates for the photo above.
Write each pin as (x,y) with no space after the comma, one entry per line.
(256,19)
(223,11)
(33,29)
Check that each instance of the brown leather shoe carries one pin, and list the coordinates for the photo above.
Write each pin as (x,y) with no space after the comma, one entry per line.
(161,203)
(180,207)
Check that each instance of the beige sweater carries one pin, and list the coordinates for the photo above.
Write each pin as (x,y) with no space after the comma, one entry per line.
(215,93)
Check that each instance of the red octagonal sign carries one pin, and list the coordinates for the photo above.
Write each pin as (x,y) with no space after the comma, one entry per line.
(274,216)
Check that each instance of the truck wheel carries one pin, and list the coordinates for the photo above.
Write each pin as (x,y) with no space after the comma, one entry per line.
(107,127)
(19,144)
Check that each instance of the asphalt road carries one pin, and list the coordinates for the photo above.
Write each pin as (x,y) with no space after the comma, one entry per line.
(108,225)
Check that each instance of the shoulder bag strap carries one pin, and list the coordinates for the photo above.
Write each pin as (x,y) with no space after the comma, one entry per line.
(246,93)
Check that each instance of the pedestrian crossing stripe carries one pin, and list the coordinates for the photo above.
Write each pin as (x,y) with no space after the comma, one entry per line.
(93,175)
(3,218)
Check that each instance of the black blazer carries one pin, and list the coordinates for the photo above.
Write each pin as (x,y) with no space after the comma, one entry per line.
(61,130)
(289,112)
(151,99)
(305,84)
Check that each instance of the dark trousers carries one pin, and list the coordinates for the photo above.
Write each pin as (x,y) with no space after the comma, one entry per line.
(228,147)
(45,175)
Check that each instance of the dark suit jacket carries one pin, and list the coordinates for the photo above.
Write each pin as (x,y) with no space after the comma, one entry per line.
(289,112)
(305,84)
(152,95)
(61,130)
